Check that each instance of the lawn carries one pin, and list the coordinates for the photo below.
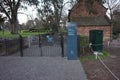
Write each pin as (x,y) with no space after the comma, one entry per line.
(7,34)
(25,34)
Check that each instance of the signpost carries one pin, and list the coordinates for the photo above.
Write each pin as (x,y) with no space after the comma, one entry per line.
(72,41)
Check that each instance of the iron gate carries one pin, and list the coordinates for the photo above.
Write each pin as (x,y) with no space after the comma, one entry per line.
(51,45)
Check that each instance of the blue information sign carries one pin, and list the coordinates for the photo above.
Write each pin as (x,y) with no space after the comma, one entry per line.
(50,38)
(72,41)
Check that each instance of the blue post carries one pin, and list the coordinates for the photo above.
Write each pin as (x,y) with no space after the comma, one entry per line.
(72,41)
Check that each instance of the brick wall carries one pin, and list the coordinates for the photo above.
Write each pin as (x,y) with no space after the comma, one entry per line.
(80,10)
(84,30)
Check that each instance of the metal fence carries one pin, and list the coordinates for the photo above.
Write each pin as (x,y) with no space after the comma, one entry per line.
(40,45)
(52,45)
(9,46)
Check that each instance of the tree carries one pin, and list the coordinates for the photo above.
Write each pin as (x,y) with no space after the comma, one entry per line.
(111,5)
(53,9)
(30,24)
(37,23)
(2,19)
(10,9)
(116,23)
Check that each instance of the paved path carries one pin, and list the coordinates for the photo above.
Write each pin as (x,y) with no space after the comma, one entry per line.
(40,68)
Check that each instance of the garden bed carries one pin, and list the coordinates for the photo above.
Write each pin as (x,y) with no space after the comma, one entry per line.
(96,71)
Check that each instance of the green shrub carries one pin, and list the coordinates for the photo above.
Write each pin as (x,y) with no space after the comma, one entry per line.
(84,45)
(84,41)
(24,31)
(39,30)
(64,32)
(34,30)
(44,30)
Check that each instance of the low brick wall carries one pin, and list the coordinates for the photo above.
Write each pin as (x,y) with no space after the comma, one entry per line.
(84,30)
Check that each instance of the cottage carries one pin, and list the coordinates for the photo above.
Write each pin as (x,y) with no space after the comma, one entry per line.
(90,15)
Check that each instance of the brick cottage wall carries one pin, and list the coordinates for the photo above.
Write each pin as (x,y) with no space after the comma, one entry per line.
(84,30)
(80,10)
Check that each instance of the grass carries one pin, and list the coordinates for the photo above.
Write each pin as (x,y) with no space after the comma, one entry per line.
(105,54)
(7,34)
(92,57)
(32,33)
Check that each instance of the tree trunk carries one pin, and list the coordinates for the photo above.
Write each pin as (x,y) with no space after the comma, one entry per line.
(14,24)
(111,28)
(57,19)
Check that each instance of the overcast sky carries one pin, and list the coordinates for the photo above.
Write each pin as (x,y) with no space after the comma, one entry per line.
(25,15)
(30,13)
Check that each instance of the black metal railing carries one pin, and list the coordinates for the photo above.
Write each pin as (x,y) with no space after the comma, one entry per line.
(20,46)
(9,46)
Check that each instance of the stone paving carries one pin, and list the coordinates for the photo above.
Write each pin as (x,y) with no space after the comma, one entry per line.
(40,68)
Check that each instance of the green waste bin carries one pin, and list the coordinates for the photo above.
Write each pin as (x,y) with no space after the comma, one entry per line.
(96,38)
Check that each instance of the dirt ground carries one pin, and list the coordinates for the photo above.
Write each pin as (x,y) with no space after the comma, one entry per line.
(96,71)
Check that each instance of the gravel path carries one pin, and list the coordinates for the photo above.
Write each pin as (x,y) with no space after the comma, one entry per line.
(40,68)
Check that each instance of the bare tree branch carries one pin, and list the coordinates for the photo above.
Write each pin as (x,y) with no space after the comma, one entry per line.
(5,11)
(10,9)
(18,4)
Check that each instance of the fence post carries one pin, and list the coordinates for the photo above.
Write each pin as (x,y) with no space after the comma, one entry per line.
(40,44)
(62,44)
(5,41)
(78,42)
(29,41)
(21,45)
